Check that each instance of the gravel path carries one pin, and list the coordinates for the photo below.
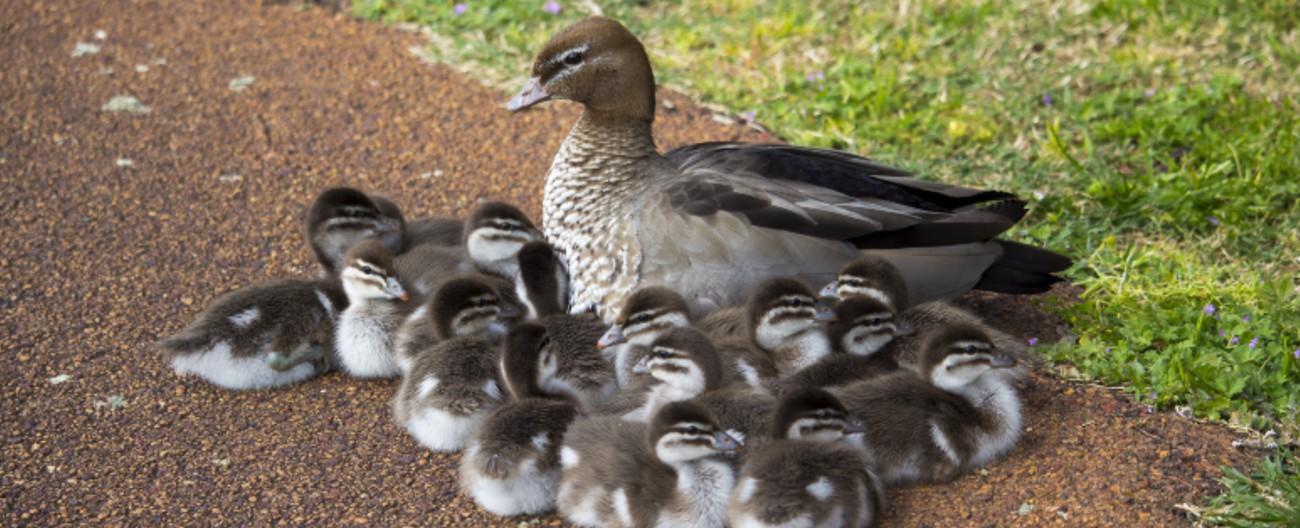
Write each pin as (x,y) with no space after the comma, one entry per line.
(120,225)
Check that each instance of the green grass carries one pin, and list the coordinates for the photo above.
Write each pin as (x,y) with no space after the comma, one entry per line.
(1269,496)
(1158,143)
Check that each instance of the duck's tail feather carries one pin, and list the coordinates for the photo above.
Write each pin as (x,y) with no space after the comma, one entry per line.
(1023,269)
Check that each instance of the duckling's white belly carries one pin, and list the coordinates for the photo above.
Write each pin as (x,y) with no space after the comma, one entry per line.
(443,431)
(219,367)
(364,344)
(529,490)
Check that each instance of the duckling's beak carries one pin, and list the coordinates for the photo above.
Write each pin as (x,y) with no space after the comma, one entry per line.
(829,289)
(613,336)
(853,427)
(824,312)
(395,289)
(903,327)
(1002,362)
(529,96)
(642,365)
(725,442)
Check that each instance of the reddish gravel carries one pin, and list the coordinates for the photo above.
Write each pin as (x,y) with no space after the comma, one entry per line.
(100,259)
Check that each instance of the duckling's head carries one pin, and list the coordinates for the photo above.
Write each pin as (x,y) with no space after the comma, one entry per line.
(369,275)
(596,62)
(862,326)
(870,276)
(340,217)
(812,414)
(646,314)
(522,356)
(960,354)
(685,359)
(780,311)
(543,283)
(494,233)
(684,431)
(474,305)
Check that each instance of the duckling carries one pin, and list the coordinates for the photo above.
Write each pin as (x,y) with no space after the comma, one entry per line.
(648,313)
(449,313)
(340,217)
(512,466)
(785,334)
(862,330)
(961,414)
(672,472)
(810,473)
(377,304)
(878,279)
(265,335)
(452,386)
(581,371)
(681,364)
(494,233)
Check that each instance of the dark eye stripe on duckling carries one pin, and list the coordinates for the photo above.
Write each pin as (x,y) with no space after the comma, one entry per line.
(874,319)
(971,346)
(781,315)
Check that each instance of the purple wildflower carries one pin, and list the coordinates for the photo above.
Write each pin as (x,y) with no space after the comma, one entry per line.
(1213,220)
(1296,354)
(552,7)
(1234,340)
(1254,342)
(1033,341)
(1151,395)
(1047,99)
(1209,309)
(1245,318)
(1221,333)
(1151,92)
(460,9)
(815,76)
(1150,409)
(749,116)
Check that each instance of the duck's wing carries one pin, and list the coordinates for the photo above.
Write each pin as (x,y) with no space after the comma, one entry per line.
(846,173)
(831,195)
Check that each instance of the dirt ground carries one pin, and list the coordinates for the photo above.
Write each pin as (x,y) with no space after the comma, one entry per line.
(119,226)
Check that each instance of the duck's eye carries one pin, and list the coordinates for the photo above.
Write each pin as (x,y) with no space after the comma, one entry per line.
(692,430)
(369,270)
(573,58)
(639,318)
(663,354)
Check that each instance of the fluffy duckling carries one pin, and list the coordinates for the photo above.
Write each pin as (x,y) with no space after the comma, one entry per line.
(266,335)
(862,331)
(435,230)
(452,386)
(681,364)
(340,217)
(961,414)
(880,280)
(785,334)
(581,371)
(810,473)
(512,466)
(672,472)
(648,313)
(377,304)
(457,311)
(494,233)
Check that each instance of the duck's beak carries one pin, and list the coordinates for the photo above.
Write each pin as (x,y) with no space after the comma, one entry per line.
(529,96)
(394,288)
(829,289)
(613,336)
(725,442)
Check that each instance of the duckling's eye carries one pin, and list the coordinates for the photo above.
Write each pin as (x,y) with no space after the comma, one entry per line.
(369,270)
(639,318)
(663,354)
(692,430)
(573,58)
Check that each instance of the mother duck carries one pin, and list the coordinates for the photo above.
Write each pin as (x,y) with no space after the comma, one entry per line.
(713,219)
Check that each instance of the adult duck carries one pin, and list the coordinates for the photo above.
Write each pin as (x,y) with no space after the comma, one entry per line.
(713,219)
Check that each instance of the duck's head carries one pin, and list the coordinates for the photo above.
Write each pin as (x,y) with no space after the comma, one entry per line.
(647,314)
(596,62)
(340,217)
(684,431)
(543,283)
(522,358)
(959,355)
(780,311)
(862,326)
(812,414)
(494,234)
(368,273)
(474,305)
(684,359)
(870,276)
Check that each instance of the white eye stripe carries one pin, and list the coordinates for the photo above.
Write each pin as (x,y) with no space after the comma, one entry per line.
(559,57)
